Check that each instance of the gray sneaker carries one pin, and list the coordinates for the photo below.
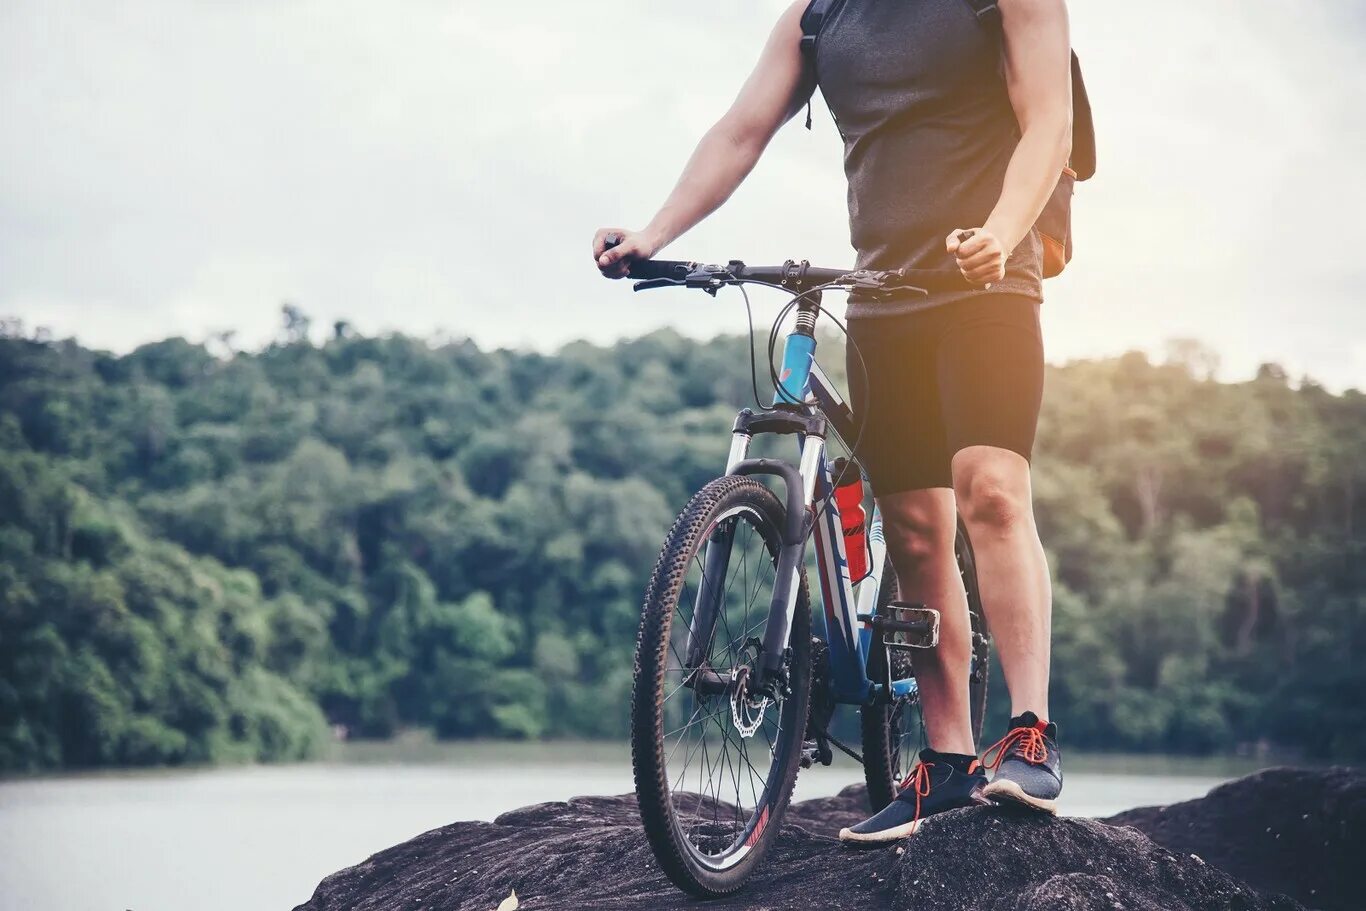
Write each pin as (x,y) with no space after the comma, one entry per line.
(1028,765)
(932,787)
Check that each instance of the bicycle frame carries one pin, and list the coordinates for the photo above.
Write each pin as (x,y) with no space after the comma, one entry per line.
(804,404)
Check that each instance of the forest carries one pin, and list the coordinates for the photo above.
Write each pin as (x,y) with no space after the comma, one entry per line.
(214,555)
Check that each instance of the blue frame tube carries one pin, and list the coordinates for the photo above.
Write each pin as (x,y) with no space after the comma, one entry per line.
(794,380)
(847,647)
(848,644)
(848,639)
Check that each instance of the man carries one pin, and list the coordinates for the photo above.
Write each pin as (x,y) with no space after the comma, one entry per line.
(954,139)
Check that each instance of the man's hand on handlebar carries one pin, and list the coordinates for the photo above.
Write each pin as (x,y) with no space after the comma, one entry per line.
(614,259)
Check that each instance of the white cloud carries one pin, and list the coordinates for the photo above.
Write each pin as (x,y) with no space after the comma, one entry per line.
(178,167)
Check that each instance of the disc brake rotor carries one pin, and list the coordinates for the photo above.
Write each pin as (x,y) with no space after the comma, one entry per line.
(745,714)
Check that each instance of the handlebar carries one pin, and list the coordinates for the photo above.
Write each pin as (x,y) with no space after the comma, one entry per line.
(797,277)
(652,269)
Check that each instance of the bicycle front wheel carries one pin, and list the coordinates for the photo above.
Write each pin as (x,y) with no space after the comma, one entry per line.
(715,746)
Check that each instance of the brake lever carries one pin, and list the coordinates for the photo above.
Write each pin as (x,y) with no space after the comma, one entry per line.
(876,281)
(651,283)
(880,285)
(906,289)
(709,280)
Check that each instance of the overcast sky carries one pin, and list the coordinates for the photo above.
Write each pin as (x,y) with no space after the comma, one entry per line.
(182,167)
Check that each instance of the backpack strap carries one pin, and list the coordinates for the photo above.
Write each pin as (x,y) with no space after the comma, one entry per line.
(817,11)
(812,20)
(1083,160)
(1083,127)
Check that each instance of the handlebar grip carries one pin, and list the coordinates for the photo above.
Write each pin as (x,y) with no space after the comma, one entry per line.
(648,269)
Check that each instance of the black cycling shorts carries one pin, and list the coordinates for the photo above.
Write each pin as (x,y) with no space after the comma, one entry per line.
(967,373)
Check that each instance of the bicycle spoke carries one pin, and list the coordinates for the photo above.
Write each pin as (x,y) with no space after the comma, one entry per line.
(675,690)
(687,759)
(688,724)
(730,767)
(744,754)
(687,754)
(731,585)
(765,733)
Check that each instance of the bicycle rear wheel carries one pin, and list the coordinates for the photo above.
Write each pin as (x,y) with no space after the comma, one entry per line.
(891,731)
(715,753)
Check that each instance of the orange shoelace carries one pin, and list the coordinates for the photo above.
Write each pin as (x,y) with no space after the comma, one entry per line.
(1032,748)
(919,778)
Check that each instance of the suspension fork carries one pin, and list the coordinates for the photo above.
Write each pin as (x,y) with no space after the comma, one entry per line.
(800,486)
(715,563)
(801,490)
(794,386)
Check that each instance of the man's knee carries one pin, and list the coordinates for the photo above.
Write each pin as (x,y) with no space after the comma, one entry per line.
(993,493)
(918,536)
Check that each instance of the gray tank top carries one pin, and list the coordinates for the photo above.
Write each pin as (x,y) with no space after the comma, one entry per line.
(917,92)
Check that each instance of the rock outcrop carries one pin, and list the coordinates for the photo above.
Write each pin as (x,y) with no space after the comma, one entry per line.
(1294,831)
(590,853)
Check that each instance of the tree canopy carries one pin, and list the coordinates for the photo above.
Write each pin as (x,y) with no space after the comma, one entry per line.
(210,557)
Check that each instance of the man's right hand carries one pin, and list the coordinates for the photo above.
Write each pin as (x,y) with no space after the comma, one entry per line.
(616,262)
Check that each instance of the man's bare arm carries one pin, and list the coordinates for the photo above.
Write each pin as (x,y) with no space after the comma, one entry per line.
(1038,55)
(726,153)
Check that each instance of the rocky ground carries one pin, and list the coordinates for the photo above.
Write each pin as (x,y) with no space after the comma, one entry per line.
(1294,831)
(1300,833)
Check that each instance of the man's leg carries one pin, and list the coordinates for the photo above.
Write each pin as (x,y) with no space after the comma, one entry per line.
(906,451)
(920,526)
(1012,574)
(995,498)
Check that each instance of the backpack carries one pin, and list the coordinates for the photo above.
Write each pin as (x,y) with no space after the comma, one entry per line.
(1055,221)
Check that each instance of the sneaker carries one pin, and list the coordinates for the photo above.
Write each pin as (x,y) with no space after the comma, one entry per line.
(1027,763)
(934,785)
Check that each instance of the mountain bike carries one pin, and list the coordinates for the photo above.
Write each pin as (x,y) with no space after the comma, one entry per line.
(733,693)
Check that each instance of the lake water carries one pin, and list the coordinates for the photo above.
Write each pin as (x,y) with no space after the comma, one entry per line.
(260,838)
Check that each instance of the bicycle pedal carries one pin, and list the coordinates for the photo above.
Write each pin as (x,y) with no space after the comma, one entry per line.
(907,626)
(814,751)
